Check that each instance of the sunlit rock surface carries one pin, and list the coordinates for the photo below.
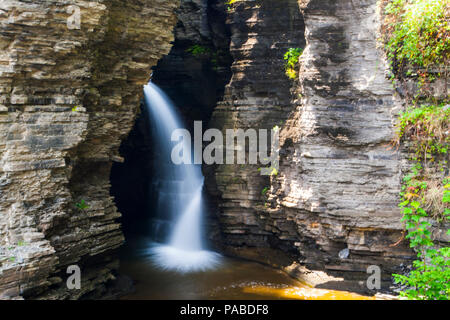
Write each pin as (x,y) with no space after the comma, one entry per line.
(338,184)
(68,97)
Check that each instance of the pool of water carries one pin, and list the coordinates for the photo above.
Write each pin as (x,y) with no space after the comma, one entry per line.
(232,279)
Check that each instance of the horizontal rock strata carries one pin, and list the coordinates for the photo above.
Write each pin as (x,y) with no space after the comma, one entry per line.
(333,204)
(69,95)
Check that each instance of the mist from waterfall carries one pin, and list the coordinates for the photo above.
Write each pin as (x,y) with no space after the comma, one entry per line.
(178,191)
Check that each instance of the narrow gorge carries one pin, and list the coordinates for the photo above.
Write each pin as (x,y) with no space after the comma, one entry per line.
(79,165)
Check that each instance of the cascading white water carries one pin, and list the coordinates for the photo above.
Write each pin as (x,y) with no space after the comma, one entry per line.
(179,190)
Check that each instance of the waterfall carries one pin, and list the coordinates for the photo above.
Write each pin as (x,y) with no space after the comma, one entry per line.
(179,194)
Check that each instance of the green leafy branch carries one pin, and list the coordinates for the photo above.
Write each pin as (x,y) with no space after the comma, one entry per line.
(82,205)
(291,57)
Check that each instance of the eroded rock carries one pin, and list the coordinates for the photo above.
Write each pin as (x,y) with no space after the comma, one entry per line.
(69,95)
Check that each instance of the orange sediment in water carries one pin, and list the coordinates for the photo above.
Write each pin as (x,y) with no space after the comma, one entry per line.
(233,279)
(305,293)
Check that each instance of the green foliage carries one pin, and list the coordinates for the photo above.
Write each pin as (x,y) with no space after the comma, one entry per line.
(199,51)
(446,200)
(429,280)
(446,195)
(426,127)
(423,199)
(274,171)
(417,42)
(82,205)
(264,191)
(75,109)
(291,57)
(418,31)
(229,4)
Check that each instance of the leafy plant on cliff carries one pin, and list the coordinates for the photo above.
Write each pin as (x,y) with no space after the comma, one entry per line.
(82,205)
(291,57)
(426,127)
(417,42)
(198,50)
(229,4)
(418,32)
(425,200)
(21,243)
(430,279)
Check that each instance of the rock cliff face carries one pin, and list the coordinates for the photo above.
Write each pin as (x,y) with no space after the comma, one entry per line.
(194,81)
(69,96)
(338,183)
(339,179)
(258,96)
(197,68)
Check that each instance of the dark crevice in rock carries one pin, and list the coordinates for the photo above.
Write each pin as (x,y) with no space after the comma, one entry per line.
(258,96)
(195,83)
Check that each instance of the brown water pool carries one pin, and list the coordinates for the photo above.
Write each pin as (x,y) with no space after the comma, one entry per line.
(233,279)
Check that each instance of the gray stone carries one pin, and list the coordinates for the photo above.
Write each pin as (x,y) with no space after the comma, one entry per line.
(68,98)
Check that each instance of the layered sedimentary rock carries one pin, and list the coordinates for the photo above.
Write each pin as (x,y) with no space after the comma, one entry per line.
(339,178)
(333,204)
(259,97)
(69,94)
(193,75)
(197,68)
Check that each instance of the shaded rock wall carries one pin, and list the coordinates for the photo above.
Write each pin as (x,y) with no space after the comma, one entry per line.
(258,96)
(340,180)
(194,83)
(338,183)
(68,97)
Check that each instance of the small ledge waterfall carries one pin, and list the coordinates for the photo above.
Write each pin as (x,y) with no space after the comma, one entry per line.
(179,194)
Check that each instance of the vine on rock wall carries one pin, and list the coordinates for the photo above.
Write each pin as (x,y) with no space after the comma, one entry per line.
(291,57)
(416,36)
